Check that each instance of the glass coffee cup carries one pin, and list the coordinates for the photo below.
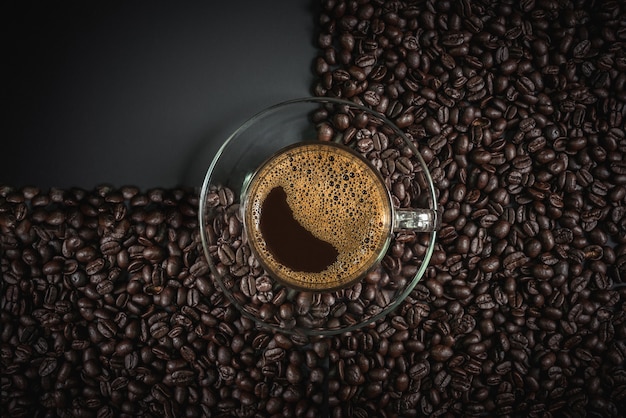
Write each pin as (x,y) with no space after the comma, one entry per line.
(317,216)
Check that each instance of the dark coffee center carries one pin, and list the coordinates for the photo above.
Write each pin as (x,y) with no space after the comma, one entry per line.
(290,243)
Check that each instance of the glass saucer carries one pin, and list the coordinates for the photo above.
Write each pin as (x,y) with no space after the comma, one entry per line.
(237,272)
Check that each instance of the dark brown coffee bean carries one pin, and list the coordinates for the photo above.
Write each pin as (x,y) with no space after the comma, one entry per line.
(441,353)
(248,286)
(419,370)
(404,165)
(514,260)
(182,377)
(47,366)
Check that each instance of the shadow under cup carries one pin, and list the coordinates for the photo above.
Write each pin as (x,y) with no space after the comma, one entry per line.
(244,274)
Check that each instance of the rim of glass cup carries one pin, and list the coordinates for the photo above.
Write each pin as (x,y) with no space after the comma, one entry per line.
(401,296)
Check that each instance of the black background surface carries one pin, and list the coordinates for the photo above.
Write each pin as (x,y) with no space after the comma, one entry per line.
(143,92)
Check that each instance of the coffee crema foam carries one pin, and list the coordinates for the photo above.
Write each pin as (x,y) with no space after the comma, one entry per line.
(337,197)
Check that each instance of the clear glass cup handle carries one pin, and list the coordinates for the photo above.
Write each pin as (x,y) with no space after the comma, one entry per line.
(419,220)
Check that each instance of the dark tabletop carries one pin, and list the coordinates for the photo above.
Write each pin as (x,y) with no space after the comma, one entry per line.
(145,92)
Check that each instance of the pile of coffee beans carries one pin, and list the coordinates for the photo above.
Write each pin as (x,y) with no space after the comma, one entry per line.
(108,307)
(519,110)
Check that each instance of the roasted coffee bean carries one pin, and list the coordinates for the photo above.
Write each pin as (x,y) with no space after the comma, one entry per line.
(182,377)
(47,366)
(441,352)
(514,260)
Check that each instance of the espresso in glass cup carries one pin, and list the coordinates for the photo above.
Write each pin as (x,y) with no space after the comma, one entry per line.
(317,216)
